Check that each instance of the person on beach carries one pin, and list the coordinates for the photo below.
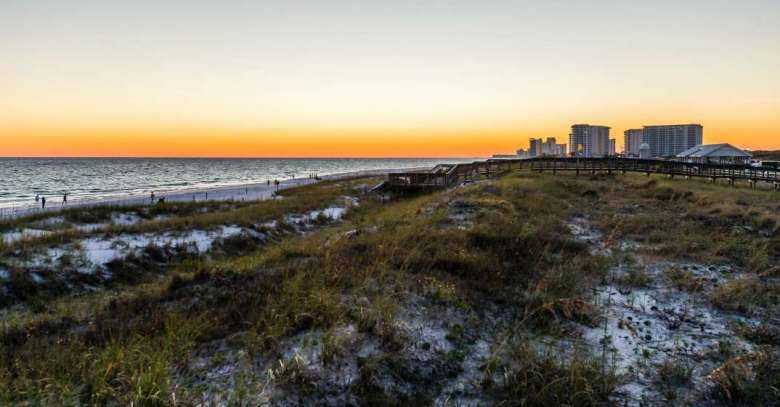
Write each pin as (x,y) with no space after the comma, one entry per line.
(152,194)
(276,184)
(268,182)
(64,198)
(43,202)
(37,198)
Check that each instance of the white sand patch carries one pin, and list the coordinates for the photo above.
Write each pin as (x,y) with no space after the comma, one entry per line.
(644,327)
(97,251)
(584,232)
(91,227)
(306,220)
(27,233)
(125,218)
(53,221)
(650,325)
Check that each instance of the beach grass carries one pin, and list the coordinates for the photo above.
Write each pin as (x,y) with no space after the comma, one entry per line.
(500,244)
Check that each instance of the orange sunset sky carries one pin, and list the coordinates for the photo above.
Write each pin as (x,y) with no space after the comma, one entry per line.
(377,79)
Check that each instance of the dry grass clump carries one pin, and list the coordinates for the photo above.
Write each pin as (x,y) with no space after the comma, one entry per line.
(752,379)
(746,294)
(684,280)
(690,220)
(634,276)
(540,376)
(673,374)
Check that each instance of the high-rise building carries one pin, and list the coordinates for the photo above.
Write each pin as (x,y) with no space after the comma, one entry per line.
(550,147)
(589,141)
(632,140)
(560,150)
(612,147)
(534,147)
(670,140)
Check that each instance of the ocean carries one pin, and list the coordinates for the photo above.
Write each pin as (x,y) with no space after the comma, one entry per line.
(83,179)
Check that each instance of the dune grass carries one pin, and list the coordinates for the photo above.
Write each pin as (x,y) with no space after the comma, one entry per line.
(504,245)
(181,216)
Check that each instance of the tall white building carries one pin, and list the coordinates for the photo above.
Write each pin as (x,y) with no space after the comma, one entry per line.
(586,140)
(534,147)
(670,140)
(632,140)
(612,147)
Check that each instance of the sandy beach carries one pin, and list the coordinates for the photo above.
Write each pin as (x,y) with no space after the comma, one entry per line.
(241,192)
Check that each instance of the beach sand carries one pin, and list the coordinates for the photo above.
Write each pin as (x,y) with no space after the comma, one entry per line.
(245,192)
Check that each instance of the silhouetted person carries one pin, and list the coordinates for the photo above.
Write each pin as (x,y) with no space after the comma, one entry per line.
(37,198)
(64,198)
(43,202)
(268,182)
(152,195)
(276,184)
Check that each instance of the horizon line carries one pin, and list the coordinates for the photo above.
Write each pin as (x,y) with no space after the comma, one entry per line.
(249,157)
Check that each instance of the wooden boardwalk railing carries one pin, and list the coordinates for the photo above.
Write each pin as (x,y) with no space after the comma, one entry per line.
(446,175)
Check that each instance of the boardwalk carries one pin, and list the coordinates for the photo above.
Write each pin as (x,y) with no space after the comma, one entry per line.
(443,176)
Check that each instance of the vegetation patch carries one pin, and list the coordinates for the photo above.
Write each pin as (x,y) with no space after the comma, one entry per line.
(481,294)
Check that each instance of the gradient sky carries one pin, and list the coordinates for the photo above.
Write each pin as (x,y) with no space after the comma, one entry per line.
(384,78)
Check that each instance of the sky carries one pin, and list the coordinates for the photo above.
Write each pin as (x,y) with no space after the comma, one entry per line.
(377,78)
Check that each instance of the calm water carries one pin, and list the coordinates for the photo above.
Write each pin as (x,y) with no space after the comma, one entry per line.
(96,178)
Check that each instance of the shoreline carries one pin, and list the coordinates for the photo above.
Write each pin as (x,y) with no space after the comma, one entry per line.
(248,192)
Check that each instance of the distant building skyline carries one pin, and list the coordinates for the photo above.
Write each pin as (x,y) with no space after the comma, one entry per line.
(588,140)
(663,140)
(668,140)
(538,147)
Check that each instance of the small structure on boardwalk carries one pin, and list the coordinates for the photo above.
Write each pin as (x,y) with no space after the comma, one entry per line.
(715,153)
(644,151)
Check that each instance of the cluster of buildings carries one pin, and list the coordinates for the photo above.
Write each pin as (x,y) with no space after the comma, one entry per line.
(543,148)
(585,140)
(662,141)
(679,141)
